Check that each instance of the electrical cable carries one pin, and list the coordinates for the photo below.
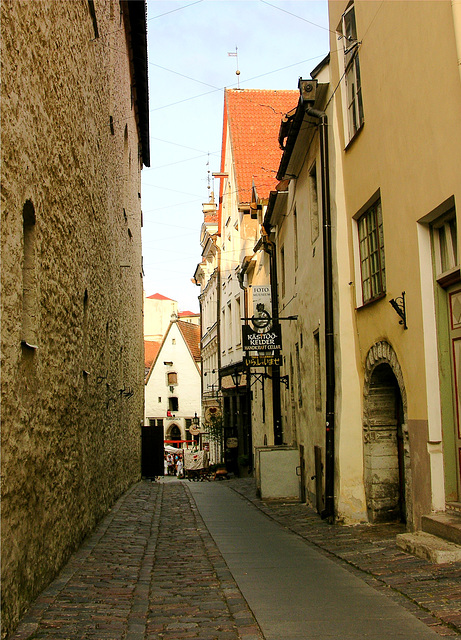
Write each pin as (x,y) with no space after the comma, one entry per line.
(299,17)
(184,146)
(160,15)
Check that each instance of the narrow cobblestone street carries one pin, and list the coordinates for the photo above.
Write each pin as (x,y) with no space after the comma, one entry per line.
(151,570)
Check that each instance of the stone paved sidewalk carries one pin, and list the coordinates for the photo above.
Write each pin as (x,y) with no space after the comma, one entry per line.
(431,592)
(150,571)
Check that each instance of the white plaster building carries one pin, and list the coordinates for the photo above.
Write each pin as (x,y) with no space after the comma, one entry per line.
(173,386)
(249,156)
(207,276)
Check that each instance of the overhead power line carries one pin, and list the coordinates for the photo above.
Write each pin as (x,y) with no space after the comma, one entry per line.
(160,15)
(261,75)
(314,24)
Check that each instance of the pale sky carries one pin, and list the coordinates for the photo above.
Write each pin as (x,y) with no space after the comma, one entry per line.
(188,44)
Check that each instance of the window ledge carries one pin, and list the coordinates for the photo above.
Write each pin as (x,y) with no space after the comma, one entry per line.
(369,302)
(354,137)
(449,277)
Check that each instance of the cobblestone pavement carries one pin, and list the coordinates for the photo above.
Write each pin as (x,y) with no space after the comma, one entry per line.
(149,571)
(431,592)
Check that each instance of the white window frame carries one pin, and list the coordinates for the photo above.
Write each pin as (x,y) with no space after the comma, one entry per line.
(352,93)
(360,301)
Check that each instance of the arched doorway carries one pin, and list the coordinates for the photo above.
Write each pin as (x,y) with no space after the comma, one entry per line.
(386,450)
(175,435)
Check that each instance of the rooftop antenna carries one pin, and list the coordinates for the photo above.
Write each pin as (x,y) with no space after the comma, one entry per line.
(237,73)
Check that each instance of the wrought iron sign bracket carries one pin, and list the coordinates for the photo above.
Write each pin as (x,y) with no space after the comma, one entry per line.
(261,376)
(398,304)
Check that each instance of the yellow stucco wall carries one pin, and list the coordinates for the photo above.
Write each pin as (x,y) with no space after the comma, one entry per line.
(409,150)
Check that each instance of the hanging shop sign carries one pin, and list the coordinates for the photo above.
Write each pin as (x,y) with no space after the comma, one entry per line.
(255,341)
(262,304)
(211,413)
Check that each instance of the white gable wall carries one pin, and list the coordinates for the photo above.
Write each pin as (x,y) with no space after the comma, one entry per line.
(188,389)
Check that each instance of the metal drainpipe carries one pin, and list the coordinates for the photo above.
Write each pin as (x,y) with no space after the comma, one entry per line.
(329,510)
(269,247)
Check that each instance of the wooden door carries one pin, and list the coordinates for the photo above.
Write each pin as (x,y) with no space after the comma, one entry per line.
(455,339)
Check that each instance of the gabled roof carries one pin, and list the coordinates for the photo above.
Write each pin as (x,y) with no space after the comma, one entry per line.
(151,350)
(254,116)
(191,334)
(158,296)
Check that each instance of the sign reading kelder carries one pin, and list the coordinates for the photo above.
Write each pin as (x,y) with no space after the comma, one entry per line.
(254,341)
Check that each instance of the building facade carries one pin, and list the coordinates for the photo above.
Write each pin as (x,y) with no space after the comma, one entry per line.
(207,277)
(401,188)
(173,388)
(249,152)
(158,310)
(74,140)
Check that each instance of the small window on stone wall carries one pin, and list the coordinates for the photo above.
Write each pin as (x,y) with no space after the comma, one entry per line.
(317,372)
(85,332)
(298,373)
(29,277)
(313,203)
(93,18)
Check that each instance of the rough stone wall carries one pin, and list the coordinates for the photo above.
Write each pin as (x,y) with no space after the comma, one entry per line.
(72,405)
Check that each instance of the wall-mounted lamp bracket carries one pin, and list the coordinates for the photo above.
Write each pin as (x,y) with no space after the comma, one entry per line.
(285,380)
(398,304)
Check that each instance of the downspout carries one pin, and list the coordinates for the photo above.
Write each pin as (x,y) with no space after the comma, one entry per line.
(269,248)
(242,277)
(329,510)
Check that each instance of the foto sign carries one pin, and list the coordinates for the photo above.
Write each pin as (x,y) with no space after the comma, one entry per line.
(262,305)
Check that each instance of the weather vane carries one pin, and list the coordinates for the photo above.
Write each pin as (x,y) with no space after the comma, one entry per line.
(237,73)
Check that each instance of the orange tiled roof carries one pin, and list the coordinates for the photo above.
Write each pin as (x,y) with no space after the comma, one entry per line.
(187,314)
(151,349)
(254,117)
(191,335)
(211,218)
(158,296)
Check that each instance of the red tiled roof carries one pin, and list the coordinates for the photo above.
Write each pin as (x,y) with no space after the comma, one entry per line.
(191,335)
(211,218)
(187,314)
(158,296)
(254,117)
(151,349)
